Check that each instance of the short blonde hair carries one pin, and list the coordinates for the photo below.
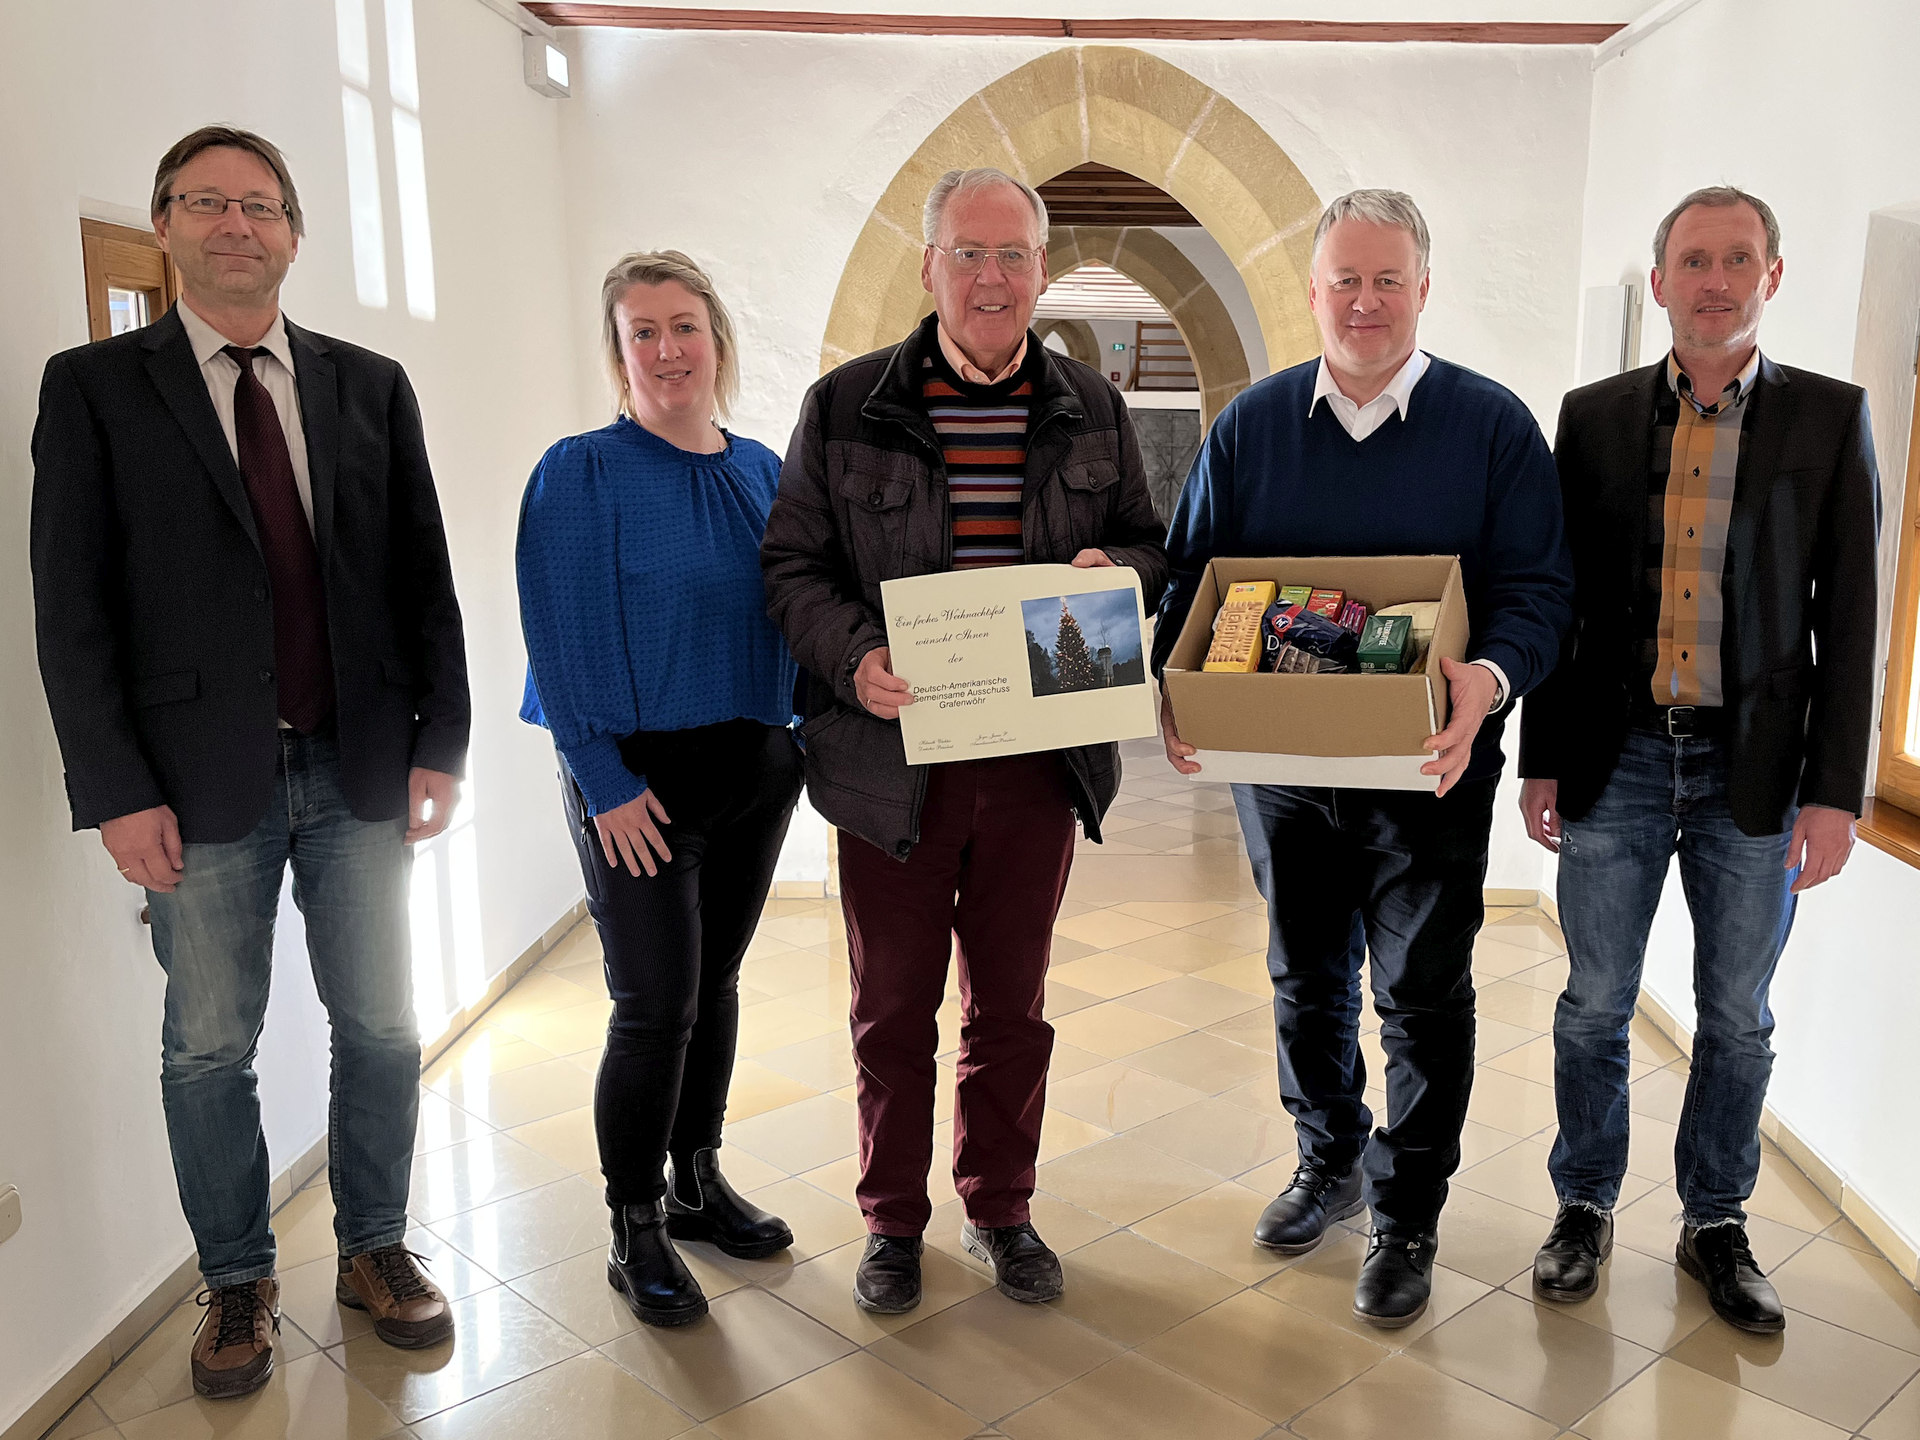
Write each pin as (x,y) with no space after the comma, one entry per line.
(656,267)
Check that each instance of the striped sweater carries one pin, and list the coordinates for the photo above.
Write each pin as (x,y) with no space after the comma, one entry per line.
(983,437)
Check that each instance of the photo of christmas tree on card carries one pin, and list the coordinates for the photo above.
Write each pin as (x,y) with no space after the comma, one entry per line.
(1080,642)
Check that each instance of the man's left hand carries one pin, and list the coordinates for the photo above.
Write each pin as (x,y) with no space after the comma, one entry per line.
(1822,840)
(1470,691)
(431,796)
(1092,559)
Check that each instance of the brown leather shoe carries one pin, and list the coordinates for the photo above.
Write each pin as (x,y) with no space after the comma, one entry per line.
(233,1344)
(408,1309)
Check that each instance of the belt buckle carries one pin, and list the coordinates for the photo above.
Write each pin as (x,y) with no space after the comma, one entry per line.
(1680,720)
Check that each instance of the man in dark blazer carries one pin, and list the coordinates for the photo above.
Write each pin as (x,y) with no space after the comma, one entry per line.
(1714,702)
(253,657)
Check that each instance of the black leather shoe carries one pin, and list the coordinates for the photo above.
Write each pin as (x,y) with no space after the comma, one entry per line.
(646,1270)
(888,1280)
(701,1205)
(1396,1279)
(1301,1213)
(1023,1267)
(1568,1265)
(1719,1257)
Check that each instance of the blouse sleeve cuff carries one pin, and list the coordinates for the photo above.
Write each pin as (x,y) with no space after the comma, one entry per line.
(602,775)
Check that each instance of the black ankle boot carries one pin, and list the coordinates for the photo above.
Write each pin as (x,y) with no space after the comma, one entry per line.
(1719,1257)
(701,1205)
(1568,1265)
(644,1268)
(1395,1280)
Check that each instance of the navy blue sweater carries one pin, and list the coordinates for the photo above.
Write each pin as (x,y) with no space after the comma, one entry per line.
(1466,473)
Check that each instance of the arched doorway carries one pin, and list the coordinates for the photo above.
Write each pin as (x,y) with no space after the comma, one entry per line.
(1076,339)
(1133,111)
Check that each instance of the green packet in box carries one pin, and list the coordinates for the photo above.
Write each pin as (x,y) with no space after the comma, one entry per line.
(1386,645)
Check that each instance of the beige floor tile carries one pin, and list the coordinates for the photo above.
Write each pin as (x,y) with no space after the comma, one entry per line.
(1181,951)
(747,1345)
(806,927)
(1243,972)
(563,1031)
(1062,1134)
(824,1062)
(1641,1299)
(1243,929)
(1065,999)
(1821,1369)
(1321,1284)
(1863,1293)
(1401,1396)
(442,1124)
(1118,1097)
(1784,1194)
(1649,1044)
(576,1293)
(531,1231)
(1516,1004)
(801,1136)
(1267,1356)
(1115,1028)
(1130,1289)
(484,1051)
(1153,811)
(1159,839)
(1650,1148)
(1105,929)
(307,1300)
(1122,1179)
(1198,1003)
(1518,1175)
(1671,1401)
(1226,1139)
(1528,927)
(1489,1239)
(858,1398)
(787,973)
(823,1288)
(762,947)
(1844,1232)
(1064,1227)
(1509,1103)
(1652,1226)
(1178,914)
(567,1139)
(585,1398)
(542,990)
(1900,1420)
(1262,1095)
(1496,958)
(1659,1093)
(1531,1357)
(1550,976)
(498,1338)
(1205,1062)
(775,1024)
(1109,975)
(756,1089)
(819,1222)
(1532,1060)
(1252,1027)
(477,1172)
(1069,1060)
(991,1355)
(1132,1398)
(1494,1039)
(307,1399)
(841,1178)
(303,1227)
(1215,1227)
(532,1092)
(1482,1142)
(85,1419)
(155,1374)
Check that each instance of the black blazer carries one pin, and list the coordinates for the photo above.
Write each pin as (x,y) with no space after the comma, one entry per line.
(150,592)
(1797,651)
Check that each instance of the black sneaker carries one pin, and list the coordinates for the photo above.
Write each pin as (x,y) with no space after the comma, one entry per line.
(1396,1279)
(1568,1265)
(888,1280)
(1023,1267)
(1720,1258)
(1301,1213)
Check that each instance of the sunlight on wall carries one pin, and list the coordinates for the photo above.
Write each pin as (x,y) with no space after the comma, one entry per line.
(365,200)
(449,954)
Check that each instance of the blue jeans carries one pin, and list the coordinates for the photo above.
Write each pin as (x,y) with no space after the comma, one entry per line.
(214,937)
(1667,796)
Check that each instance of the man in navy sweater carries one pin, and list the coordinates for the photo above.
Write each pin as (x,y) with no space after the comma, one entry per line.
(1379,449)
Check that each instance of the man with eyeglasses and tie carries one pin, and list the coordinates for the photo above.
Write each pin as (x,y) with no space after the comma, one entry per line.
(968,444)
(253,657)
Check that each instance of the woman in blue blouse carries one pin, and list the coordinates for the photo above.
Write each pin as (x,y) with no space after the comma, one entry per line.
(669,695)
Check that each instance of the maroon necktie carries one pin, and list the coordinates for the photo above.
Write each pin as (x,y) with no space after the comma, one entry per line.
(301,653)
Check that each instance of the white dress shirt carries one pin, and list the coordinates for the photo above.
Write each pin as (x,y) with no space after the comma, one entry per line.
(1360,421)
(275,369)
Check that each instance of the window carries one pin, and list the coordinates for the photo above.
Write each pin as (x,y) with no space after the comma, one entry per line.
(130,280)
(1899,781)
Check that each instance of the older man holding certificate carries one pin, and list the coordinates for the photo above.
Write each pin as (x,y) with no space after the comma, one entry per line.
(966,445)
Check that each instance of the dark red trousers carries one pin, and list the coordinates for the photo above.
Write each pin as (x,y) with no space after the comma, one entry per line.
(996,843)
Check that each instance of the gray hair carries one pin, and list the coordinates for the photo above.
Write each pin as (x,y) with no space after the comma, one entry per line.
(1377,207)
(1717,197)
(965,182)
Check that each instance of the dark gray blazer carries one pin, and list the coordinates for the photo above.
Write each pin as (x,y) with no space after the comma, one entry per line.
(150,592)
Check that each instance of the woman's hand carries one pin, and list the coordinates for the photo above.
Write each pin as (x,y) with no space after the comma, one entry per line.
(629,832)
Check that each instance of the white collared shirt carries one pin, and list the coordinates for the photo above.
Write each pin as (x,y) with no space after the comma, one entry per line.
(1360,421)
(221,372)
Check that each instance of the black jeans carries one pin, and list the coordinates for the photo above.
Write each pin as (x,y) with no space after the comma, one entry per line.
(1398,875)
(673,941)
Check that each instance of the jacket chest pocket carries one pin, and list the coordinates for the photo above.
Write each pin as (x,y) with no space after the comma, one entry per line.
(875,509)
(1089,488)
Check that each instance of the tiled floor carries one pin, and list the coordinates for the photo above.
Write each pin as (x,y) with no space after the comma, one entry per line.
(1164,1138)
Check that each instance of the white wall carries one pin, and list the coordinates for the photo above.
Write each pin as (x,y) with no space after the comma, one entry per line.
(499,376)
(1767,95)
(1211,261)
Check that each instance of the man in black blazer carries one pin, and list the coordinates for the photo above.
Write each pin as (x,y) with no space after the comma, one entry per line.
(253,657)
(1713,702)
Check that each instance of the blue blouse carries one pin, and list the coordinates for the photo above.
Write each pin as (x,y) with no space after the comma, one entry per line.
(641,598)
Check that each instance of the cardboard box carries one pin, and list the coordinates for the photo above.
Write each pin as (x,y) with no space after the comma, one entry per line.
(1365,731)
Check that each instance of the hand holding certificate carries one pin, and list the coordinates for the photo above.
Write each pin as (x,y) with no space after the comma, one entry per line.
(1018,658)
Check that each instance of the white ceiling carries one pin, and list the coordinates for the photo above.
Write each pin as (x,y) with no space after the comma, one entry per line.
(1540,11)
(1097,292)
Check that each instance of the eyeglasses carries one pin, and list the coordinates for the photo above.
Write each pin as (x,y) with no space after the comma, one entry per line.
(968,259)
(212,202)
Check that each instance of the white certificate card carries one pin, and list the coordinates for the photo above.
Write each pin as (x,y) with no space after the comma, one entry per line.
(1019,658)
